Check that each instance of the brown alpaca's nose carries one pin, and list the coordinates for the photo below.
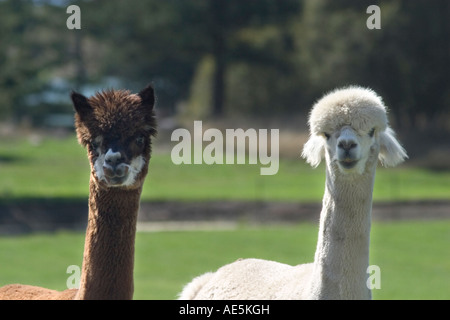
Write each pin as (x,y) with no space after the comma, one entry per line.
(114,165)
(113,158)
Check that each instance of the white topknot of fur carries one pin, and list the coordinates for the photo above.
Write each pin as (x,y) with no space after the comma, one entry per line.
(360,108)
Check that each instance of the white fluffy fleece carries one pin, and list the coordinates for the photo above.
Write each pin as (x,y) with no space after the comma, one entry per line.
(361,108)
(339,270)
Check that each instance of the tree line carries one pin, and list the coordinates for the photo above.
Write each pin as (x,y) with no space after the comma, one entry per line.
(214,58)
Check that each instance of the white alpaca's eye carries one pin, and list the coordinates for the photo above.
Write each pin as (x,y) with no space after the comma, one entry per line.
(372,132)
(327,135)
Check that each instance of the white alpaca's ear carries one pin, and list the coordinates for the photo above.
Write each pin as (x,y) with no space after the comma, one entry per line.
(391,152)
(314,150)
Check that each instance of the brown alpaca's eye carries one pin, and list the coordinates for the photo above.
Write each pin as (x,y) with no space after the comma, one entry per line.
(140,140)
(94,145)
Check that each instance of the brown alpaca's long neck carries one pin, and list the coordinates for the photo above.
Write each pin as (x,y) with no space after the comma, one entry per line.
(108,260)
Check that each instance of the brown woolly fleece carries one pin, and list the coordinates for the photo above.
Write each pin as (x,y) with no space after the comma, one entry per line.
(120,119)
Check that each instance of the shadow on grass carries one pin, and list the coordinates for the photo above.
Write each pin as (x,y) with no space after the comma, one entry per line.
(8,159)
(25,215)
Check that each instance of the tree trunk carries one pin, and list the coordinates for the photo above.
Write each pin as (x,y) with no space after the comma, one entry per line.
(80,76)
(218,16)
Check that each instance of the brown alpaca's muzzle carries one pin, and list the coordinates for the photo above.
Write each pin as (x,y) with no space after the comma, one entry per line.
(113,169)
(116,175)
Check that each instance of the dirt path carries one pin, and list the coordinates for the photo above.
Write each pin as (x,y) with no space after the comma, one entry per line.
(50,215)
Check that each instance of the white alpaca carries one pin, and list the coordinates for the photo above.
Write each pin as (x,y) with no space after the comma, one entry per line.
(349,128)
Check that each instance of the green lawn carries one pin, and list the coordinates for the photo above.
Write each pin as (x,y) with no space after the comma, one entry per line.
(59,168)
(413,256)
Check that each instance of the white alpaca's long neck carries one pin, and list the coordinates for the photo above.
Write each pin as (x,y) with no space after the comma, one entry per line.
(342,254)
(108,260)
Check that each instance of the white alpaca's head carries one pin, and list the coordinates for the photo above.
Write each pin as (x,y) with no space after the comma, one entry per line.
(349,126)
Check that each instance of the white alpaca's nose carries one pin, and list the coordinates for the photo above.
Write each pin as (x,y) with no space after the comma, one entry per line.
(347,145)
(347,141)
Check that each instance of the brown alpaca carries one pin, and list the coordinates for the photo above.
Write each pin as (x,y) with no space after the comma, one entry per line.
(116,127)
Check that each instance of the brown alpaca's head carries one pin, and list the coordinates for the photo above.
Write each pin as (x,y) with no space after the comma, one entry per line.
(116,127)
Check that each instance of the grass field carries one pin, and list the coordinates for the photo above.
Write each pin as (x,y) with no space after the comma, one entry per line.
(59,168)
(413,256)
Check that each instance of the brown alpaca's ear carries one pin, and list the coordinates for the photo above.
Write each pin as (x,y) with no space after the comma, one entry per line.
(147,96)
(80,103)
